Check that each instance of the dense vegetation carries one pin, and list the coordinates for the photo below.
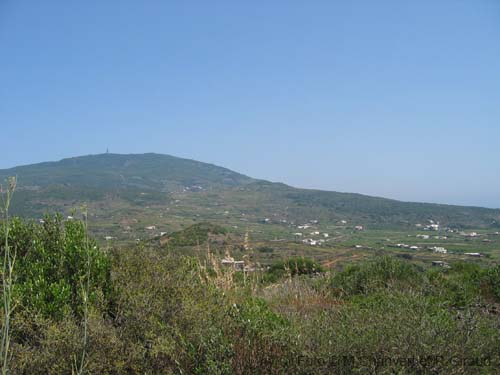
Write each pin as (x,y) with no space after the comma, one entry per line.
(150,311)
(293,267)
(194,235)
(108,171)
(51,266)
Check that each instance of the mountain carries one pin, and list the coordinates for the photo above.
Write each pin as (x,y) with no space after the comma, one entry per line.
(110,171)
(135,179)
(127,190)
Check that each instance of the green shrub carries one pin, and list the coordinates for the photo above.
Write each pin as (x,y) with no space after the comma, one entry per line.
(385,272)
(195,234)
(292,267)
(51,266)
(265,249)
(491,283)
(155,312)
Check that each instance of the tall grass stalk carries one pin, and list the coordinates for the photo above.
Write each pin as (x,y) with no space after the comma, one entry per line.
(80,367)
(7,275)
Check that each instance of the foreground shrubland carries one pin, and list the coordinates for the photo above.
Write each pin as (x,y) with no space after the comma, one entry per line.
(81,309)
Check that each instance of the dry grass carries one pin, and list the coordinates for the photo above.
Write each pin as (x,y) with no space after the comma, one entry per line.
(7,275)
(222,278)
(297,297)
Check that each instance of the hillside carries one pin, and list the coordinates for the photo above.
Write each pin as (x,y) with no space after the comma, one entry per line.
(128,190)
(134,179)
(145,171)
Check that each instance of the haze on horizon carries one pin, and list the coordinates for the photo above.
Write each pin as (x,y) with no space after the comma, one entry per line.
(380,98)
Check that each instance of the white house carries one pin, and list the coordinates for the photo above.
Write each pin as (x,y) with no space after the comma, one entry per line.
(423,236)
(434,227)
(230,262)
(440,263)
(310,241)
(440,250)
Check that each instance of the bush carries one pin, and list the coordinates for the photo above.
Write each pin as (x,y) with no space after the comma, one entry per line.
(265,249)
(292,267)
(51,266)
(385,272)
(155,312)
(195,234)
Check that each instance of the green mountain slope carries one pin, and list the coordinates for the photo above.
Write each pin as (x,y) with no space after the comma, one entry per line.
(127,187)
(144,171)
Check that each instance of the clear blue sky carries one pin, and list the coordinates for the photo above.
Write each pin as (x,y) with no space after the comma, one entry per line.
(391,98)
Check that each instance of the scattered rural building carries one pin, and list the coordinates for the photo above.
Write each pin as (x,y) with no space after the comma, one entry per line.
(230,262)
(471,234)
(310,241)
(474,254)
(439,250)
(359,227)
(151,227)
(423,236)
(405,246)
(434,227)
